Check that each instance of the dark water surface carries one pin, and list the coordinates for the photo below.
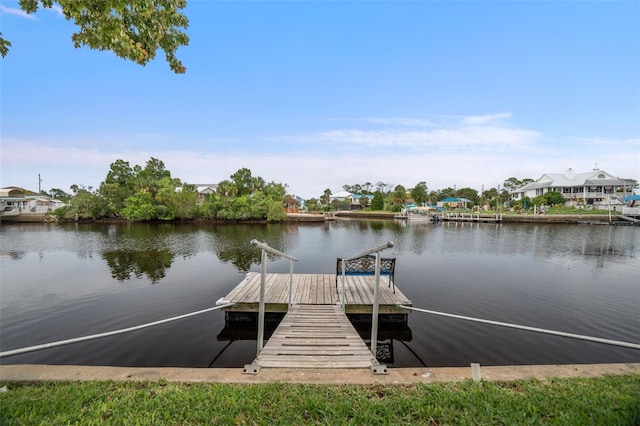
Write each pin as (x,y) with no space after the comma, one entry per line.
(64,281)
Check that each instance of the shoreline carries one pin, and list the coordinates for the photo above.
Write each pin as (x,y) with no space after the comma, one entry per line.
(38,373)
(506,218)
(588,219)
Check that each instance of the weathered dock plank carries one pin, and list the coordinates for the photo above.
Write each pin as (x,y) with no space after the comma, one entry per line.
(315,289)
(315,336)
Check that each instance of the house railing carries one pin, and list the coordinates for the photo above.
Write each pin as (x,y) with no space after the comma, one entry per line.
(632,211)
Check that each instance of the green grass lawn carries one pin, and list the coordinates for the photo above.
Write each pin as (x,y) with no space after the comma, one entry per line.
(611,400)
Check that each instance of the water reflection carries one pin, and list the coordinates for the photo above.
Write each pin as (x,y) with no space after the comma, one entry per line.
(14,255)
(145,250)
(57,282)
(392,330)
(231,243)
(389,332)
(152,263)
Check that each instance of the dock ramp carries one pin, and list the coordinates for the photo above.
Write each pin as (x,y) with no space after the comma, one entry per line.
(315,336)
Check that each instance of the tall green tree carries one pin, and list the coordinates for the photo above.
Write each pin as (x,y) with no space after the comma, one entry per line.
(469,194)
(378,201)
(132,29)
(419,193)
(325,198)
(399,195)
(152,177)
(118,185)
(275,190)
(513,183)
(383,187)
(243,181)
(59,194)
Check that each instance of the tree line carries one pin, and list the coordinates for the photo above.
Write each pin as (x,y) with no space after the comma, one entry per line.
(386,196)
(151,193)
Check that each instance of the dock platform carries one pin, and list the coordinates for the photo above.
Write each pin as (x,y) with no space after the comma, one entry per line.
(315,289)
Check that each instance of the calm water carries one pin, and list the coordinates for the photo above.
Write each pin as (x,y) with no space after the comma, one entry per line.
(60,282)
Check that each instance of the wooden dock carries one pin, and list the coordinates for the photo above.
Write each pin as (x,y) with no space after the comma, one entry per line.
(469,217)
(315,289)
(315,332)
(315,336)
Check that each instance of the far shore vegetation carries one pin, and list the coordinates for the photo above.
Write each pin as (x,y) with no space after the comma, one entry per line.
(609,400)
(151,193)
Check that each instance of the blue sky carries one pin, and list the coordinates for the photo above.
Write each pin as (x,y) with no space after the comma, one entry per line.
(318,94)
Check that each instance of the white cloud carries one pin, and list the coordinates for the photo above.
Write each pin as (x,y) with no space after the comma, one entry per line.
(629,142)
(58,10)
(453,154)
(388,121)
(16,12)
(468,133)
(412,122)
(483,119)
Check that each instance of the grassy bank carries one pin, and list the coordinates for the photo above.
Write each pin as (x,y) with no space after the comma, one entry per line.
(611,400)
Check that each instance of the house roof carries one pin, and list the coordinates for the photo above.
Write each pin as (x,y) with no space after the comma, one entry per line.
(605,182)
(572,179)
(11,191)
(455,200)
(341,194)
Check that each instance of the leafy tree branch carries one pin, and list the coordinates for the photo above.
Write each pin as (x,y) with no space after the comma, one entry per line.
(132,29)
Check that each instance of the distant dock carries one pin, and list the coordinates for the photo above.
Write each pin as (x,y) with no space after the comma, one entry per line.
(470,217)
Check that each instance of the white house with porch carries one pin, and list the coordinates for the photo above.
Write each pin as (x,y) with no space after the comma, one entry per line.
(15,201)
(353,199)
(596,189)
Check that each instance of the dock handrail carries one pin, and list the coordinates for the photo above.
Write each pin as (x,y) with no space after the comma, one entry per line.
(263,274)
(527,328)
(374,316)
(376,249)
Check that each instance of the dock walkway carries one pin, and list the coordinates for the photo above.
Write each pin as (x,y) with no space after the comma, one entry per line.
(315,336)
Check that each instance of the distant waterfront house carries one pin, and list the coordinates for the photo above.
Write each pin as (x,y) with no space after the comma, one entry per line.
(596,188)
(453,202)
(357,202)
(340,196)
(18,200)
(301,202)
(205,189)
(291,204)
(346,198)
